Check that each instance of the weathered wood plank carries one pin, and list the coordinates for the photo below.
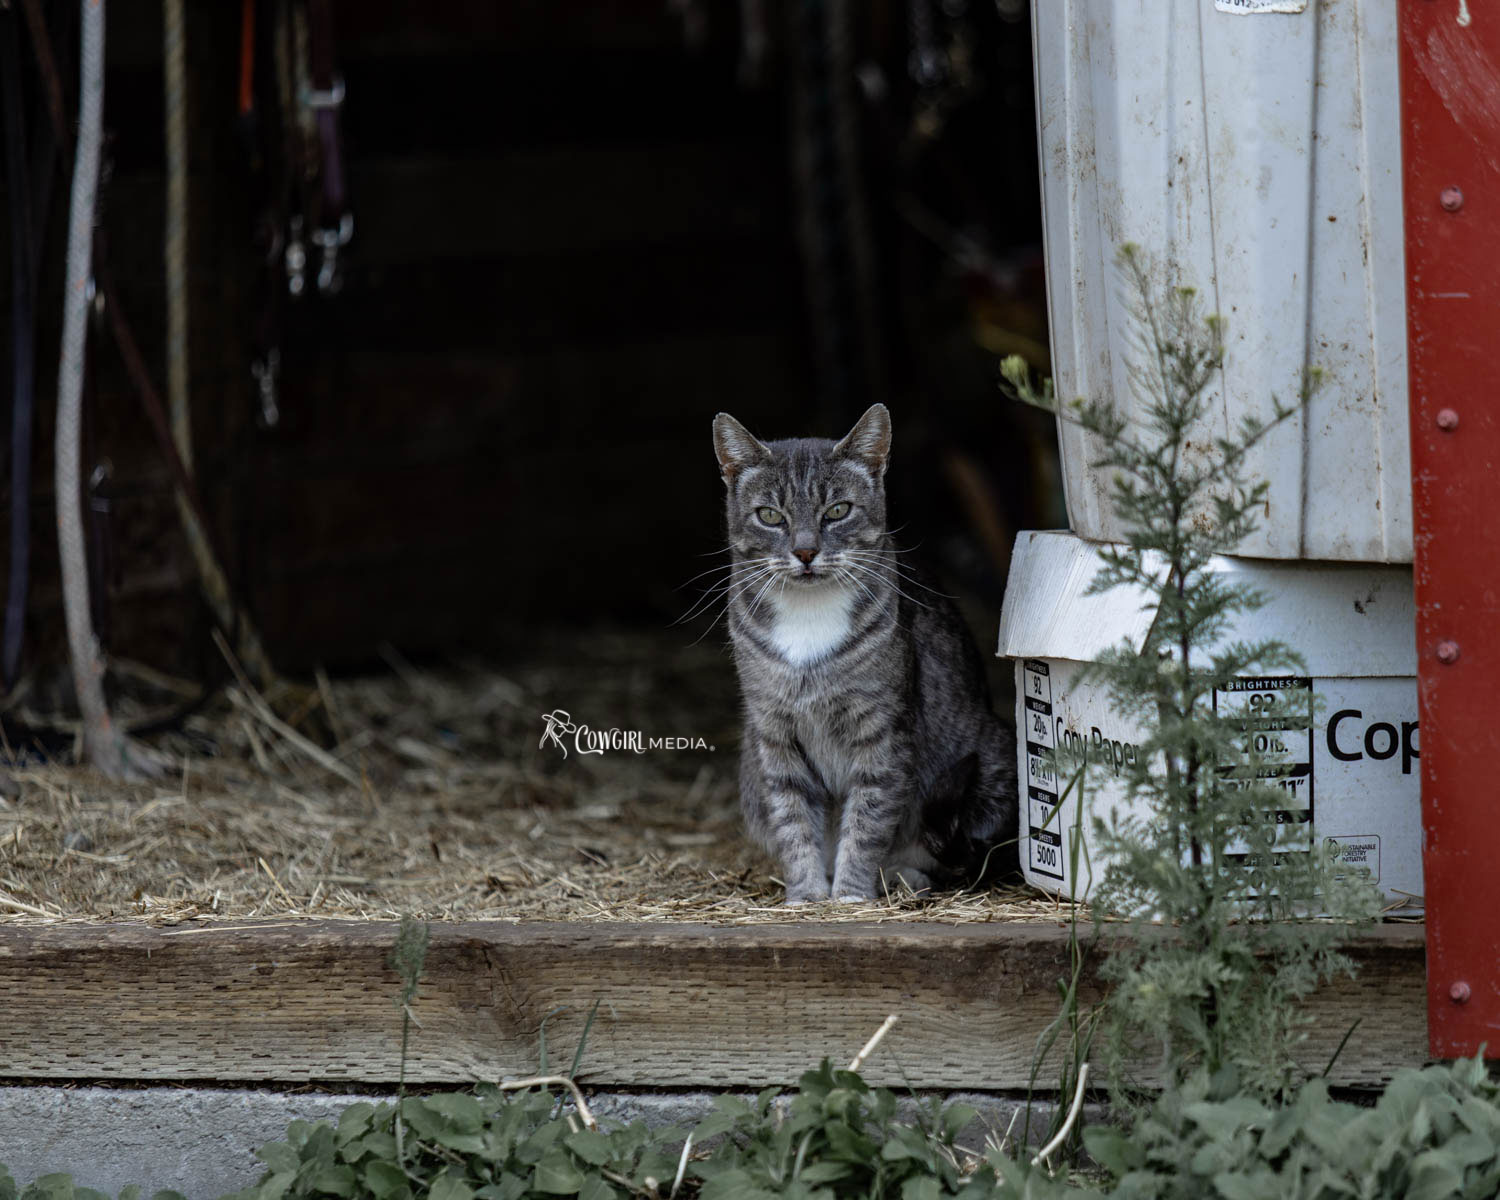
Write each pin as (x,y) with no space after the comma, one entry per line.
(678,1005)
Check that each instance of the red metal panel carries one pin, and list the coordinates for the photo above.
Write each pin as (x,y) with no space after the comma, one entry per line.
(1450,102)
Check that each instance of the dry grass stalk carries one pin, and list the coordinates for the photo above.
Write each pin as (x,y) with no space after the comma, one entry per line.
(875,1039)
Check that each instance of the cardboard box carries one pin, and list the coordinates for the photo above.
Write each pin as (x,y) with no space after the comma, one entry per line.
(1353,776)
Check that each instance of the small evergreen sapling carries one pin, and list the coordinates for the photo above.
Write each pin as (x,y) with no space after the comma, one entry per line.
(1210,846)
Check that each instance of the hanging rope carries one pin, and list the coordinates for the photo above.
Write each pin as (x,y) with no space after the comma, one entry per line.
(175,85)
(227,614)
(104,746)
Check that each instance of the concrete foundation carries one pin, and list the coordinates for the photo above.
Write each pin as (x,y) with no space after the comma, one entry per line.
(201,1141)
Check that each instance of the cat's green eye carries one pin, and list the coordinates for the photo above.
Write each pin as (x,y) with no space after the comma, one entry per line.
(838,511)
(770,516)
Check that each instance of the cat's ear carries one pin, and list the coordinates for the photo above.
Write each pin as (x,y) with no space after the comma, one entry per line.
(736,447)
(870,439)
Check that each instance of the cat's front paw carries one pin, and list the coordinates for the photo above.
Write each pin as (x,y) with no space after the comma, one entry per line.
(854,887)
(806,893)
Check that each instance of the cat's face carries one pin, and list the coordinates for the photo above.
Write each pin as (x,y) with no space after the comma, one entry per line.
(807,509)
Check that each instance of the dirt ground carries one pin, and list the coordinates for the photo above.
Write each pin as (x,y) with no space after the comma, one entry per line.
(427,790)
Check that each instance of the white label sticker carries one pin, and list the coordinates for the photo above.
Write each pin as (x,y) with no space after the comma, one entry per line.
(1250,7)
(1044,840)
(1273,715)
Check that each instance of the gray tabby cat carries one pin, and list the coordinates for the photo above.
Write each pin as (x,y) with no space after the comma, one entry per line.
(870,752)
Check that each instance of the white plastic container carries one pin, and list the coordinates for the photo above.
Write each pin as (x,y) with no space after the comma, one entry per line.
(1353,625)
(1256,152)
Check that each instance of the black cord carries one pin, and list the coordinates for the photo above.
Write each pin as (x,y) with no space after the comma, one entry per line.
(23,335)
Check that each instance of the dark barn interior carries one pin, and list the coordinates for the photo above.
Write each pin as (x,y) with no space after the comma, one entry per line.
(579,230)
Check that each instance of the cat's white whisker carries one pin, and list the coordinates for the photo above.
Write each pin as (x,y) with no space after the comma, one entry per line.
(891,583)
(730,592)
(748,569)
(846,574)
(883,604)
(762,593)
(903,572)
(730,568)
(727,591)
(899,570)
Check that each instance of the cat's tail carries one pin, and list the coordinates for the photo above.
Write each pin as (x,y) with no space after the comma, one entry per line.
(969,825)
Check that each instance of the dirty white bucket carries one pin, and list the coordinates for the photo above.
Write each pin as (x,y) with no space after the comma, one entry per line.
(1257,154)
(1356,776)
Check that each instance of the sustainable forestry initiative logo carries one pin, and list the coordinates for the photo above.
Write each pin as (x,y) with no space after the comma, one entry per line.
(559,730)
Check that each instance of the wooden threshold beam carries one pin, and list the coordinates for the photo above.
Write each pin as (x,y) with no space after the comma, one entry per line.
(679,1005)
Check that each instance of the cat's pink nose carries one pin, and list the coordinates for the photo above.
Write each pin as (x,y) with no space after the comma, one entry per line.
(806,555)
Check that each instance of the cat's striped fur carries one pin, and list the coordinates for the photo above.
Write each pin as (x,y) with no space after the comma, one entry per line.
(870,753)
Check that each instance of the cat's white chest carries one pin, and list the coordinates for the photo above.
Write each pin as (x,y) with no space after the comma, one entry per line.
(810,623)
